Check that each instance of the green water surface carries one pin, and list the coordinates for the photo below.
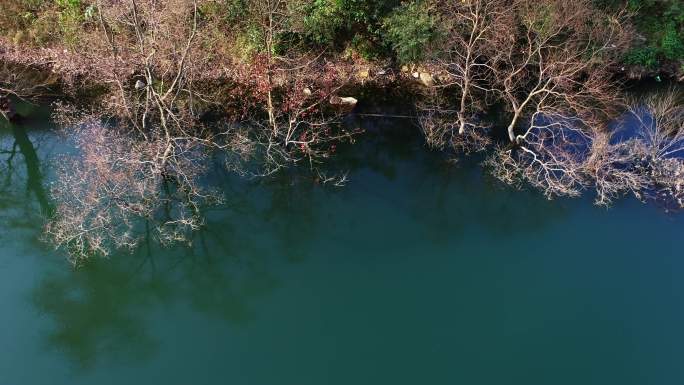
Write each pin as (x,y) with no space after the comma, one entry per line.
(417,272)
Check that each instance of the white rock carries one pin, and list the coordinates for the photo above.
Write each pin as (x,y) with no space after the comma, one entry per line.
(346,101)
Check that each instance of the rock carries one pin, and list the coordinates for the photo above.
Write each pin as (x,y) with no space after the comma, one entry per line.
(139,84)
(426,79)
(350,101)
(343,101)
(307,91)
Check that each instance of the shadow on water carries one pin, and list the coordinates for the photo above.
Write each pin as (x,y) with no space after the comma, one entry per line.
(21,170)
(97,309)
(399,193)
(34,175)
(445,195)
(101,311)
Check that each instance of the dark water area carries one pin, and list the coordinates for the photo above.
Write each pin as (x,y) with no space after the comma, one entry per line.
(418,271)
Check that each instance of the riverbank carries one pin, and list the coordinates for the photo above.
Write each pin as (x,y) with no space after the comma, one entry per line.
(86,43)
(155,88)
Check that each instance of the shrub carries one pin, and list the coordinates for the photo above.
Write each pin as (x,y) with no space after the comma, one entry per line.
(249,42)
(337,22)
(661,22)
(70,19)
(408,30)
(42,22)
(324,19)
(646,56)
(671,44)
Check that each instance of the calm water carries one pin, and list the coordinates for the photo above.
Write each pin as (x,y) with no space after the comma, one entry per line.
(417,272)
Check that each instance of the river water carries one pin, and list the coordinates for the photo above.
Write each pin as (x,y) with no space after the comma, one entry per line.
(417,272)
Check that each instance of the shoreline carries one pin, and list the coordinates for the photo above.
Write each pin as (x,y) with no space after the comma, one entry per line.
(76,74)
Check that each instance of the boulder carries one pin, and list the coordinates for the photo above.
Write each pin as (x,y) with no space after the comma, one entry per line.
(343,101)
(426,79)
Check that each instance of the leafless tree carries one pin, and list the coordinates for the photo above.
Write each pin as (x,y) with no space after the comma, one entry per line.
(616,168)
(22,82)
(292,120)
(25,82)
(557,65)
(551,159)
(555,84)
(144,166)
(659,145)
(642,155)
(118,184)
(463,63)
(142,148)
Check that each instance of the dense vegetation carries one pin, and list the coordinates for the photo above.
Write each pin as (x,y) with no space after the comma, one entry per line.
(660,24)
(372,29)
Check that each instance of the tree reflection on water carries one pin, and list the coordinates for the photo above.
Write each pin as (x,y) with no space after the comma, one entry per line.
(108,309)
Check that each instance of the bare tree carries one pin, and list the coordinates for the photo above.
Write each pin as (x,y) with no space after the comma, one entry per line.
(25,82)
(642,155)
(558,66)
(615,168)
(551,159)
(144,166)
(292,120)
(555,84)
(659,144)
(463,63)
(22,82)
(118,184)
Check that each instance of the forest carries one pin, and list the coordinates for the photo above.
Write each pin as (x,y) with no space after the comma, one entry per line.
(150,90)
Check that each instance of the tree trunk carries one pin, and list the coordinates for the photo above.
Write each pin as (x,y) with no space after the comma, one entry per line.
(511,127)
(7,108)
